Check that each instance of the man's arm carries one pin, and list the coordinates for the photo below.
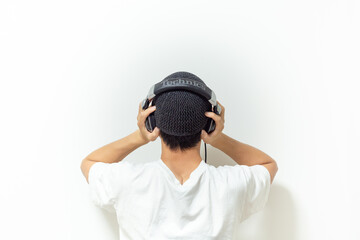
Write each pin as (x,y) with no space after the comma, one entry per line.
(118,150)
(245,154)
(241,153)
(113,152)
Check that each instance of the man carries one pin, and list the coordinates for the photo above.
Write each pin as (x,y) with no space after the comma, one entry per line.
(179,196)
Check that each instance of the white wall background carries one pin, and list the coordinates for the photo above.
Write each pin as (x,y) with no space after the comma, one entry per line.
(73,73)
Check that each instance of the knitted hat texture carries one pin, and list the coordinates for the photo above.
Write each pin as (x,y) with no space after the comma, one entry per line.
(181,112)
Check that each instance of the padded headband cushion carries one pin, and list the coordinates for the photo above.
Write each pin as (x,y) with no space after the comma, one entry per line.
(187,81)
(181,112)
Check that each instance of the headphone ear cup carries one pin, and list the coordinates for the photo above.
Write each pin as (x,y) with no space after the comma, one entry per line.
(150,122)
(210,125)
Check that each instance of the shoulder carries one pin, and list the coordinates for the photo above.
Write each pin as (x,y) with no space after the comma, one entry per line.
(238,175)
(124,168)
(225,173)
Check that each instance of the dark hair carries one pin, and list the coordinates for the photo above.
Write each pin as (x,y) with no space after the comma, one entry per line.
(181,143)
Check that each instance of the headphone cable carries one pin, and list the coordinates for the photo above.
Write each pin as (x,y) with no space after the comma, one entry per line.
(205,151)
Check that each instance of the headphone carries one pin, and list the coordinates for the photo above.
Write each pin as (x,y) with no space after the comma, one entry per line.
(181,83)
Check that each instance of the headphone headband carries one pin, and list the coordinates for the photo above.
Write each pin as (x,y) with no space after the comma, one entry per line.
(184,84)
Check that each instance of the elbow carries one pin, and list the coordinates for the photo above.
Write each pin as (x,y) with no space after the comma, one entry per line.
(83,166)
(276,167)
(273,169)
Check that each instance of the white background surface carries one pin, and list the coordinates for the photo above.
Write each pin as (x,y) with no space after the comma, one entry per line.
(73,73)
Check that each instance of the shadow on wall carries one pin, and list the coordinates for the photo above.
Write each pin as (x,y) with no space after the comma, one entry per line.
(279,215)
(278,219)
(112,222)
(276,222)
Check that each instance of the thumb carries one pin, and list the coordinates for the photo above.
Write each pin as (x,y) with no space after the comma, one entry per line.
(155,133)
(157,130)
(204,135)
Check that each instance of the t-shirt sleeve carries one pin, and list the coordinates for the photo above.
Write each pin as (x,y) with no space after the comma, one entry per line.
(108,182)
(253,189)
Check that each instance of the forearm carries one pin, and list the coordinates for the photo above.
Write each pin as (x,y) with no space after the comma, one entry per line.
(117,150)
(241,153)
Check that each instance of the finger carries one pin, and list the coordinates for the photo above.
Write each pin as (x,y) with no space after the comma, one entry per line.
(140,118)
(143,115)
(139,113)
(140,106)
(149,110)
(218,123)
(204,135)
(222,108)
(213,116)
(154,134)
(216,131)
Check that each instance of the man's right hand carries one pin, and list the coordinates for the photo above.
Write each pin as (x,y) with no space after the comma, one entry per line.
(219,121)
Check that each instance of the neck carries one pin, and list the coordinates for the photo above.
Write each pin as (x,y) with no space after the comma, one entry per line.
(181,163)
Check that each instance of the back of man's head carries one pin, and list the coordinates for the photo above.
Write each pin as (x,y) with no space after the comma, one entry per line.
(180,115)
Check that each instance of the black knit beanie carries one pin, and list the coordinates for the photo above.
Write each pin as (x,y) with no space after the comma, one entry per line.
(181,112)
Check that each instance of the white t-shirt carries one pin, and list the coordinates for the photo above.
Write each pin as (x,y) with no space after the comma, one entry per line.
(150,203)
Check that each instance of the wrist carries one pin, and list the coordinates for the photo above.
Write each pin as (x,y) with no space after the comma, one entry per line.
(140,138)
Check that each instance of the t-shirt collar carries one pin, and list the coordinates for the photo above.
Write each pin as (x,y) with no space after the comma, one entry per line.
(193,176)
